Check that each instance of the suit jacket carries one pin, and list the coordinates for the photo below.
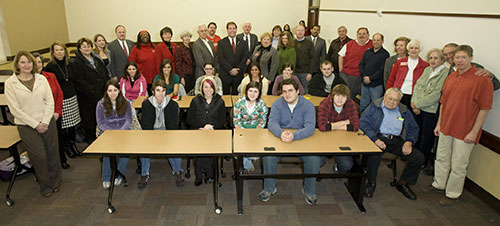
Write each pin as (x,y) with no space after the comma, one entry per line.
(202,55)
(320,52)
(229,60)
(254,41)
(118,59)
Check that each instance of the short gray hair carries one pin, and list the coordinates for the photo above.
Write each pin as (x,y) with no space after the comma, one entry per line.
(415,42)
(395,90)
(186,33)
(436,50)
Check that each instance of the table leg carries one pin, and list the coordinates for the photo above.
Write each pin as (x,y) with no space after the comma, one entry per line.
(4,116)
(218,209)
(356,185)
(112,160)
(17,163)
(239,184)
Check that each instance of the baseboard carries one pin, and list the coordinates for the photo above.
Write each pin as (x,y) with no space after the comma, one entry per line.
(490,141)
(482,194)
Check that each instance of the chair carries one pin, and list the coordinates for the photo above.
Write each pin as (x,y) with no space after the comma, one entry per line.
(393,165)
(6,72)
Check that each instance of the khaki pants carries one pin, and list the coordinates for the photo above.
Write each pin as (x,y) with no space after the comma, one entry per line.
(452,158)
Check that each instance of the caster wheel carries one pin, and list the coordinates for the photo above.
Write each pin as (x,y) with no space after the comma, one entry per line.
(218,210)
(318,179)
(138,171)
(223,175)
(187,175)
(111,209)
(9,202)
(233,177)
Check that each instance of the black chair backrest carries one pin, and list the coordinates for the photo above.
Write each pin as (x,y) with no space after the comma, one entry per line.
(6,72)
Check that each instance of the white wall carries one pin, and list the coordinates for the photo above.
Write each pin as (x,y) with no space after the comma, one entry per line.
(87,18)
(434,32)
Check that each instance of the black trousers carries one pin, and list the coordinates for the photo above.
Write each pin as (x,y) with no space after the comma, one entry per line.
(189,80)
(427,123)
(204,166)
(230,84)
(395,145)
(60,138)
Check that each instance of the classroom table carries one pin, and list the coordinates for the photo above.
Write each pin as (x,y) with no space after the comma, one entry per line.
(261,142)
(184,101)
(170,143)
(269,99)
(3,109)
(9,140)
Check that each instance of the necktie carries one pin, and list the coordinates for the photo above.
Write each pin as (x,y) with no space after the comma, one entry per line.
(234,46)
(248,40)
(315,41)
(124,48)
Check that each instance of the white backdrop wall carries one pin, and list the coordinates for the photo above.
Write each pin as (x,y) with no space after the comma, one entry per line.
(87,18)
(432,31)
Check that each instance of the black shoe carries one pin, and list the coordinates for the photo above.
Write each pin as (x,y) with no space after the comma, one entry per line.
(65,165)
(73,149)
(68,151)
(209,180)
(198,182)
(406,191)
(370,189)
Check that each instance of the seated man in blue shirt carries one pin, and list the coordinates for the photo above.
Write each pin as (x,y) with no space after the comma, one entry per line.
(391,126)
(293,112)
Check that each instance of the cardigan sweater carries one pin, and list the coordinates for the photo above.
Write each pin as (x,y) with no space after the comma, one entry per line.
(243,119)
(56,91)
(145,60)
(139,89)
(184,61)
(303,118)
(269,61)
(400,70)
(286,55)
(29,107)
(327,114)
(427,91)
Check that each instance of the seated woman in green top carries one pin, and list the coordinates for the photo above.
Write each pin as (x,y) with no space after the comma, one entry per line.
(250,112)
(172,80)
(286,51)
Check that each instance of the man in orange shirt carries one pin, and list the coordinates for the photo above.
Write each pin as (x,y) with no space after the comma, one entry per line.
(212,28)
(465,102)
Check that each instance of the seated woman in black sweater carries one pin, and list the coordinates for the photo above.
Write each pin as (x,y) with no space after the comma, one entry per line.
(206,112)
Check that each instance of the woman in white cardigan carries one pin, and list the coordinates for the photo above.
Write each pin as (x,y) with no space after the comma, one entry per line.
(30,101)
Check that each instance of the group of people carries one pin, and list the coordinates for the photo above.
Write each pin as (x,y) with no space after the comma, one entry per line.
(423,99)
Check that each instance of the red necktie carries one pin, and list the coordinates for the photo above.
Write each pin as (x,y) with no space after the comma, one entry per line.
(124,48)
(234,46)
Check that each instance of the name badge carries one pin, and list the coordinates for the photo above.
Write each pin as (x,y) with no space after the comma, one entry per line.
(400,119)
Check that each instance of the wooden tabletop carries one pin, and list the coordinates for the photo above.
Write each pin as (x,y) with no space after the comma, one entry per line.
(248,141)
(162,142)
(9,136)
(3,100)
(184,102)
(269,99)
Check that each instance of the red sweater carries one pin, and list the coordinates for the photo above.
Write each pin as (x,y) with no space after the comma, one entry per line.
(214,40)
(162,52)
(327,115)
(353,57)
(145,60)
(399,71)
(56,91)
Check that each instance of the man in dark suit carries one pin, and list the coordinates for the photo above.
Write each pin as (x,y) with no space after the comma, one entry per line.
(120,49)
(233,55)
(251,42)
(335,46)
(203,51)
(319,46)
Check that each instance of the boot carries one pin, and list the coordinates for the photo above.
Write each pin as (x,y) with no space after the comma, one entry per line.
(73,148)
(68,151)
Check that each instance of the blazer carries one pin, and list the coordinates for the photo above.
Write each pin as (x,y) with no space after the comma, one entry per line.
(162,52)
(269,61)
(56,91)
(118,59)
(320,52)
(229,60)
(202,55)
(254,41)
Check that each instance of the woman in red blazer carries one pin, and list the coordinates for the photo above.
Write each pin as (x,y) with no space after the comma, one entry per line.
(402,77)
(143,54)
(166,48)
(58,101)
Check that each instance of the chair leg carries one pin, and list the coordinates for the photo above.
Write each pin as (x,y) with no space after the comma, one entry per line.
(188,168)
(394,172)
(138,170)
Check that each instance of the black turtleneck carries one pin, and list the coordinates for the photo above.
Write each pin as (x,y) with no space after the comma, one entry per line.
(169,45)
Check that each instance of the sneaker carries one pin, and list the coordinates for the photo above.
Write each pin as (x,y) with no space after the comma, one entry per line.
(448,202)
(143,182)
(179,179)
(106,184)
(310,199)
(264,196)
(118,181)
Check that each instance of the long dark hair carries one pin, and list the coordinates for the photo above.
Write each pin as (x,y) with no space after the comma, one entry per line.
(138,43)
(127,75)
(171,75)
(121,102)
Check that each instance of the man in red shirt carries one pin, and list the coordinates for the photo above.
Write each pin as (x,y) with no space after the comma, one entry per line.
(212,28)
(465,102)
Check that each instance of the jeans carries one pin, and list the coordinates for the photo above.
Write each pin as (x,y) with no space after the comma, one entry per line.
(311,166)
(344,163)
(303,80)
(106,167)
(247,162)
(145,163)
(369,94)
(176,164)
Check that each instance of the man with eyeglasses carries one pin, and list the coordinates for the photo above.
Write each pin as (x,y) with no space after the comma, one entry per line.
(391,126)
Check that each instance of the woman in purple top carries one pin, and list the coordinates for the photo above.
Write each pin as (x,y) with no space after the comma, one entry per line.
(113,112)
(287,73)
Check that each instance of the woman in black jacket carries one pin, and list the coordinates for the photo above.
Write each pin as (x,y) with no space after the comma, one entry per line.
(206,112)
(90,78)
(159,112)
